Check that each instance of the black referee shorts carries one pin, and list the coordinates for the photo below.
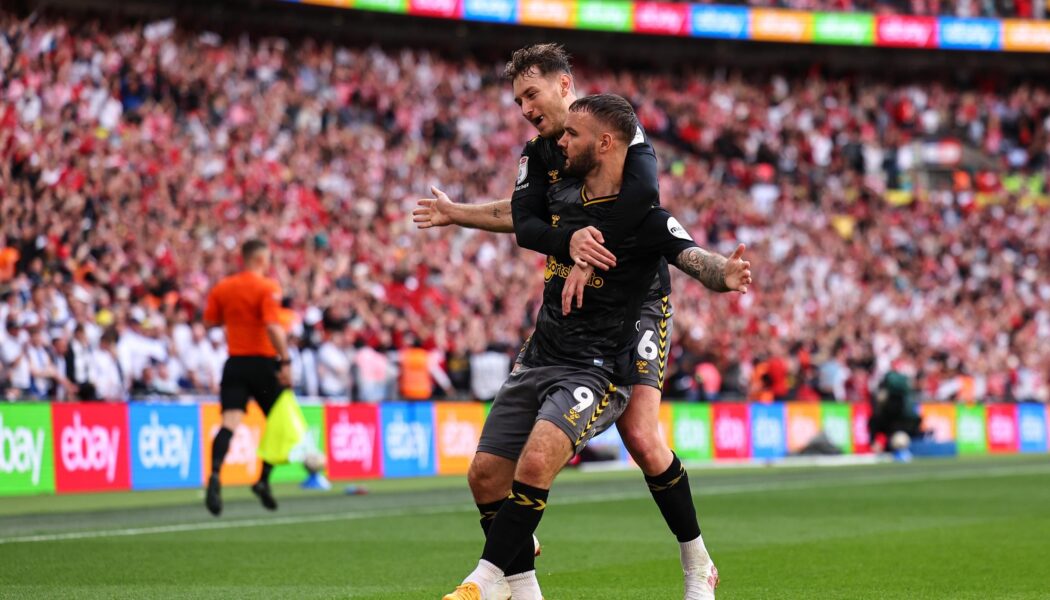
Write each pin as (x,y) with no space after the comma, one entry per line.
(249,376)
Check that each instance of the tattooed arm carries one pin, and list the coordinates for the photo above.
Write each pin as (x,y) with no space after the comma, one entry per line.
(440,211)
(716,272)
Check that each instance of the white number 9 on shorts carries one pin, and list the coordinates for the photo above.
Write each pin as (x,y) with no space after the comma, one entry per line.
(584,398)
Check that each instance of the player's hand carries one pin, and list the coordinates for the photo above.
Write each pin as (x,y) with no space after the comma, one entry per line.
(575,284)
(586,249)
(433,212)
(738,271)
(284,375)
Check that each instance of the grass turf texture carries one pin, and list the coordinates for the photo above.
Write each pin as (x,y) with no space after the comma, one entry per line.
(953,529)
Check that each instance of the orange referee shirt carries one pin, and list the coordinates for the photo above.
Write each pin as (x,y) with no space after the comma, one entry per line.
(245,304)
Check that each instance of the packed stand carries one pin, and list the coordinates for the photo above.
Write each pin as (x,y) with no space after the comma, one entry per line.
(135,161)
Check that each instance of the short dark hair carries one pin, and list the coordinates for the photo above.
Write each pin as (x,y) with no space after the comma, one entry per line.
(252,247)
(546,58)
(612,110)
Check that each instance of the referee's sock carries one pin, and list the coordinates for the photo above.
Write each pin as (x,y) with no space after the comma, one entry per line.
(267,468)
(219,447)
(510,533)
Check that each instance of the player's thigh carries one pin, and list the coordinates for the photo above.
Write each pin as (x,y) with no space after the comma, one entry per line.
(581,403)
(642,416)
(512,416)
(653,343)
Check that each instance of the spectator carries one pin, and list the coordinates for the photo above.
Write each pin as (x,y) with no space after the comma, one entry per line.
(333,366)
(106,374)
(77,358)
(489,369)
(373,373)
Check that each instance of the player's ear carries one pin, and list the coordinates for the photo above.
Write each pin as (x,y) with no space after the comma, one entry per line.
(605,142)
(565,84)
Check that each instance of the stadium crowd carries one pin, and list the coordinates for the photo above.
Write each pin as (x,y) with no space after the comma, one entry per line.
(133,161)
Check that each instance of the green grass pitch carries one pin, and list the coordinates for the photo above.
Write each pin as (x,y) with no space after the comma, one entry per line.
(951,529)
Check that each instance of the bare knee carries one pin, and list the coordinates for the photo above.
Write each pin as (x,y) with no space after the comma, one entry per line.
(490,477)
(648,448)
(546,452)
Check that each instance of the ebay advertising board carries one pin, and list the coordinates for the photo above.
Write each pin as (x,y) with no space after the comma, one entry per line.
(732,431)
(242,465)
(67,448)
(768,431)
(165,445)
(1031,424)
(458,429)
(692,425)
(860,414)
(835,418)
(408,439)
(91,447)
(27,463)
(355,446)
(294,471)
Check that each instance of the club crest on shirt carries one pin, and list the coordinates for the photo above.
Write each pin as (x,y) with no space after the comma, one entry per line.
(523,169)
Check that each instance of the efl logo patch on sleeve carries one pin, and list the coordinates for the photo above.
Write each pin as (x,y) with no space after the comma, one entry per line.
(523,169)
(676,229)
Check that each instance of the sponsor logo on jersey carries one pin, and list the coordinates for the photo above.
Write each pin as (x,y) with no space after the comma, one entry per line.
(554,177)
(523,169)
(561,270)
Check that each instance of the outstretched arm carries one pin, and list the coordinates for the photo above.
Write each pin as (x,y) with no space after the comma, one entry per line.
(439,211)
(716,272)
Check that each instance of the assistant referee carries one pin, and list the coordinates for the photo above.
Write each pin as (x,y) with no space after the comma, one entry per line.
(248,305)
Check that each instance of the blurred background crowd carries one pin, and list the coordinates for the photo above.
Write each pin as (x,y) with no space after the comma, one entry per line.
(892,224)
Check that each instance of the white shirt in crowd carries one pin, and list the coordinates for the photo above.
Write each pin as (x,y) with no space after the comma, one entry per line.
(488,371)
(135,352)
(106,376)
(12,353)
(204,362)
(309,383)
(333,367)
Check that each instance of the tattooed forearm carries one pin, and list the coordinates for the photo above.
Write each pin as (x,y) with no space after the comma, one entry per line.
(491,216)
(706,267)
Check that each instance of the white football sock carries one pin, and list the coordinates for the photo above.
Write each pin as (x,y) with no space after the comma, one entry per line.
(485,575)
(694,555)
(524,586)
